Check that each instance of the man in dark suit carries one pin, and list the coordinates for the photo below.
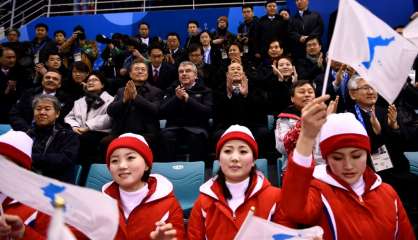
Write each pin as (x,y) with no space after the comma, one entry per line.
(8,82)
(160,73)
(21,114)
(175,54)
(187,108)
(305,23)
(270,27)
(135,107)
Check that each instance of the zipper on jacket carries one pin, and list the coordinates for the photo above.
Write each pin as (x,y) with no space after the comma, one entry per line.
(361,200)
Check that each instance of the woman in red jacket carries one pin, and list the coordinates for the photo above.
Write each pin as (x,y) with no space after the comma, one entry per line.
(225,200)
(147,206)
(344,196)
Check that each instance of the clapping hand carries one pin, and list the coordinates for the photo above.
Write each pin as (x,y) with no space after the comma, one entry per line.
(377,129)
(392,117)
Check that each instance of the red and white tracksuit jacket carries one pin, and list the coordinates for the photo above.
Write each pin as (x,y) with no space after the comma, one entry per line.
(315,196)
(160,204)
(211,217)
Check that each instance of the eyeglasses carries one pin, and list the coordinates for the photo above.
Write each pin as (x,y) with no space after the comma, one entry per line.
(365,88)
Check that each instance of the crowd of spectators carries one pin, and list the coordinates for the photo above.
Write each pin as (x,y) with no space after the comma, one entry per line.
(274,66)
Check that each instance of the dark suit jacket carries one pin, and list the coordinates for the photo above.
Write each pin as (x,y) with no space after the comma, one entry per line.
(166,76)
(138,116)
(55,152)
(21,114)
(193,113)
(268,30)
(310,24)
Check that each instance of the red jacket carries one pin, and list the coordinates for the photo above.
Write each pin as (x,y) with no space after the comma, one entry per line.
(211,217)
(160,204)
(36,223)
(328,201)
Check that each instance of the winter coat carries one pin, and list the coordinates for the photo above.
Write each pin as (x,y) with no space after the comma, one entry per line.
(160,204)
(139,115)
(315,196)
(212,218)
(95,119)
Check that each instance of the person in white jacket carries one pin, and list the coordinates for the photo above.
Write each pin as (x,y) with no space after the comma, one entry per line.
(89,118)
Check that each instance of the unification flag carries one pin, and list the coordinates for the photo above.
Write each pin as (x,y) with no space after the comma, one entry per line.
(57,229)
(378,53)
(261,229)
(93,213)
(410,32)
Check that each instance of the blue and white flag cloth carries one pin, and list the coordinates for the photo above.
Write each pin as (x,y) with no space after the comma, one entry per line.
(378,53)
(93,213)
(258,228)
(410,32)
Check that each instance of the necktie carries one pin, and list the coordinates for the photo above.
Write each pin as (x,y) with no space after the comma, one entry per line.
(155,76)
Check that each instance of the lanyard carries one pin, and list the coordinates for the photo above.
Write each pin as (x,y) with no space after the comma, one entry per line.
(359,116)
(38,49)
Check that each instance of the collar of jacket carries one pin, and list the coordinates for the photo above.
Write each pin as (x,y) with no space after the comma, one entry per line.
(213,189)
(159,187)
(323,173)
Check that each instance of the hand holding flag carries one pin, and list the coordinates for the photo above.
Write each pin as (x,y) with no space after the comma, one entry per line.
(91,212)
(379,54)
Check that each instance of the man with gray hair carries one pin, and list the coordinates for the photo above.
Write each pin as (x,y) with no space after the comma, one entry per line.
(187,108)
(387,141)
(21,114)
(55,148)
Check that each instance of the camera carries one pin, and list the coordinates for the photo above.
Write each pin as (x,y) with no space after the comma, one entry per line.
(80,35)
(101,38)
(136,43)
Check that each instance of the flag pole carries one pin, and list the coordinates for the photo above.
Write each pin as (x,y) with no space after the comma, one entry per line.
(325,85)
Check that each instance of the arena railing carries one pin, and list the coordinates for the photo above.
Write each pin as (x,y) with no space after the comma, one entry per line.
(22,12)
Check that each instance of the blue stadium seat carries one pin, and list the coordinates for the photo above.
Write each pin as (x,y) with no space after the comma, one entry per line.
(186,178)
(261,164)
(77,174)
(98,176)
(4,128)
(413,161)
